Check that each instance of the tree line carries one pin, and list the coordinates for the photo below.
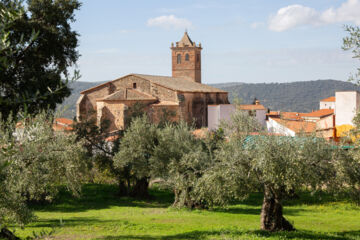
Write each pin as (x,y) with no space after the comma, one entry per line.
(202,171)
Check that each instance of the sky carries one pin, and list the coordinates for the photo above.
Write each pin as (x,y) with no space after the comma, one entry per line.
(252,41)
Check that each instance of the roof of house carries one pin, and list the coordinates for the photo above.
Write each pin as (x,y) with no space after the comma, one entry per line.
(128,94)
(273,113)
(319,113)
(63,124)
(329,99)
(65,121)
(252,107)
(287,115)
(297,126)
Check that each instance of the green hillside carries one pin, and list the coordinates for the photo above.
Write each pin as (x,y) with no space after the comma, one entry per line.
(293,96)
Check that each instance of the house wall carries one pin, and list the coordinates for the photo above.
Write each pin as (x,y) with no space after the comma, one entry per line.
(347,104)
(194,106)
(274,127)
(261,116)
(219,113)
(327,105)
(325,127)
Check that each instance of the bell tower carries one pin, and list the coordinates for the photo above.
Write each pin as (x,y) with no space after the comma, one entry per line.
(186,59)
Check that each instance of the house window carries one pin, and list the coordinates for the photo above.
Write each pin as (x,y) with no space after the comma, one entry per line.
(134,85)
(179,58)
(187,58)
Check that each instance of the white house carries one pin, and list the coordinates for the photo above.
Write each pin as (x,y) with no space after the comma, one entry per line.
(223,112)
(328,103)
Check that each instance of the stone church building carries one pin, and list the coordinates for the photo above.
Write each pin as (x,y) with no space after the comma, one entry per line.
(183,95)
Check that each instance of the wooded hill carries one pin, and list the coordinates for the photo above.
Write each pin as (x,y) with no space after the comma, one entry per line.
(294,96)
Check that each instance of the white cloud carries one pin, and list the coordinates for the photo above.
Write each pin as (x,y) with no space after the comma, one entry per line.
(169,22)
(298,15)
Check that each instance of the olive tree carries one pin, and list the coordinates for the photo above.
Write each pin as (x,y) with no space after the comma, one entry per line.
(277,165)
(133,158)
(180,159)
(35,160)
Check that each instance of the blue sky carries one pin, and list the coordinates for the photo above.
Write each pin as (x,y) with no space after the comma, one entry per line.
(243,41)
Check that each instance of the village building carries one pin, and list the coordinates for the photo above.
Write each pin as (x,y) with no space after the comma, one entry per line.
(332,121)
(223,112)
(179,97)
(327,103)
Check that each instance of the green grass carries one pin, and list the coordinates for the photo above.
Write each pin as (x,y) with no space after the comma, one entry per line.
(100,214)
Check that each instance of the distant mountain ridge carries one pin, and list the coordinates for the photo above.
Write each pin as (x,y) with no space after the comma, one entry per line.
(292,96)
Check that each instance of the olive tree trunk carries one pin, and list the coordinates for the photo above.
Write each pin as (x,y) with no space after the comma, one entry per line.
(140,189)
(123,189)
(7,234)
(272,218)
(183,199)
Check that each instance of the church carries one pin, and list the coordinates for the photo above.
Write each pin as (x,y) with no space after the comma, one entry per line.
(183,95)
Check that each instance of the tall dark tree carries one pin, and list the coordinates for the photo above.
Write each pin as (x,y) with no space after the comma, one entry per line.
(39,48)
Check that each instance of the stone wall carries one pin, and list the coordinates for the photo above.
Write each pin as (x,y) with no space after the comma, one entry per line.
(162,93)
(158,113)
(191,68)
(128,82)
(194,106)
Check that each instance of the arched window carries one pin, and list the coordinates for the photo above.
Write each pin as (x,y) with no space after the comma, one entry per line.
(198,57)
(187,58)
(179,58)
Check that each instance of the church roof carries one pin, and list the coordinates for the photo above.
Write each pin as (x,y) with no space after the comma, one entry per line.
(179,84)
(186,41)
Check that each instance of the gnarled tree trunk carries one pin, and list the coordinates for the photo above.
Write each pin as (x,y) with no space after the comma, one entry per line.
(272,218)
(123,190)
(140,189)
(7,234)
(183,199)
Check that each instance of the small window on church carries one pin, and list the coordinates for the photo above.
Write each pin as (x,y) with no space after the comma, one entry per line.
(179,58)
(187,58)
(134,85)
(198,58)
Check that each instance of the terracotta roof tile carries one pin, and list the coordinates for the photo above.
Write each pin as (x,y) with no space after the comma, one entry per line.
(252,107)
(319,113)
(291,115)
(329,99)
(63,124)
(297,126)
(64,121)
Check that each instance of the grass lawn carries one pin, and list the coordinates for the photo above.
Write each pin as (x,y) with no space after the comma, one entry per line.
(100,214)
